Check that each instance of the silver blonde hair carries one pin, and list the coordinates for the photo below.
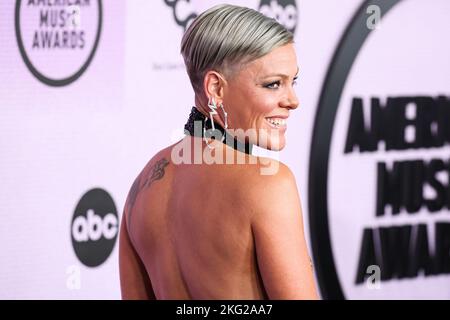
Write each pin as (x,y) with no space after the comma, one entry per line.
(226,37)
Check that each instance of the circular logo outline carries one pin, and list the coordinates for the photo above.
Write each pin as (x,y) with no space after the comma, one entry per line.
(41,77)
(344,55)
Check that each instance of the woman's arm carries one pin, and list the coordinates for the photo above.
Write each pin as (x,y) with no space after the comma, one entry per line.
(277,226)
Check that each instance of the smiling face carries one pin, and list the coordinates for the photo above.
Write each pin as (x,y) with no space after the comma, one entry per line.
(261,95)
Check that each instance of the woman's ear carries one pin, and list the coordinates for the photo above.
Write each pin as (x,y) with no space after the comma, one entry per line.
(213,84)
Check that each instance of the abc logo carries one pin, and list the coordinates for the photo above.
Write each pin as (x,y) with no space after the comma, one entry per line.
(94,227)
(284,11)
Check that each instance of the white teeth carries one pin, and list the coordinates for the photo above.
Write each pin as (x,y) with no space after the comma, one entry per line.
(277,122)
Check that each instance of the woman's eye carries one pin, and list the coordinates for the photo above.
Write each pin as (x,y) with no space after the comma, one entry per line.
(273,85)
(276,84)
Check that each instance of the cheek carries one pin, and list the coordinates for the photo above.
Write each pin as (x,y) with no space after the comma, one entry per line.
(249,106)
(264,104)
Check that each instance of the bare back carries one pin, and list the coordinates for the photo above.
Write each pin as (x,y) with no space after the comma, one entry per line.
(186,233)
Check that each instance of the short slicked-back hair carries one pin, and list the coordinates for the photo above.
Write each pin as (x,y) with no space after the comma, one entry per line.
(226,37)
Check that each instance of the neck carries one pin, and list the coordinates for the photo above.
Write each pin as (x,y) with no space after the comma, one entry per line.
(198,121)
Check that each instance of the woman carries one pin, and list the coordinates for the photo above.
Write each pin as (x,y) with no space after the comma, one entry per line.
(198,223)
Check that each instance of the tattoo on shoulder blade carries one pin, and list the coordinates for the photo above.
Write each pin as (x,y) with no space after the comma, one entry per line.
(156,173)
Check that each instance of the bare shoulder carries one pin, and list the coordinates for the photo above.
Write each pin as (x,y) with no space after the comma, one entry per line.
(277,226)
(162,156)
(154,170)
(273,198)
(156,166)
(269,182)
(268,191)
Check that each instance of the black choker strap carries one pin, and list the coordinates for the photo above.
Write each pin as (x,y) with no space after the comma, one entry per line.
(196,123)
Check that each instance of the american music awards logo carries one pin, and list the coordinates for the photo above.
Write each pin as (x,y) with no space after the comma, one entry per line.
(379,176)
(284,11)
(58,40)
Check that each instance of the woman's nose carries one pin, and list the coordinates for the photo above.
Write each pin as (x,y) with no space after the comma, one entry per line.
(290,100)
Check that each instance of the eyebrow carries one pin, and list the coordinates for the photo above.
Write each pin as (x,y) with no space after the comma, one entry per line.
(281,74)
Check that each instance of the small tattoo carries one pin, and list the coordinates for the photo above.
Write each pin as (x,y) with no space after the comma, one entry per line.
(157,173)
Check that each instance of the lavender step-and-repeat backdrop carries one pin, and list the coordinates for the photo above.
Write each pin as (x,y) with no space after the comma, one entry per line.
(91,89)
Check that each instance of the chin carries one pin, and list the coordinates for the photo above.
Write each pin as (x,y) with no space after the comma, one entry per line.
(277,146)
(273,143)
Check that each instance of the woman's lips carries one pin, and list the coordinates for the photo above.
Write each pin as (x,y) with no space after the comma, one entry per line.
(279,123)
